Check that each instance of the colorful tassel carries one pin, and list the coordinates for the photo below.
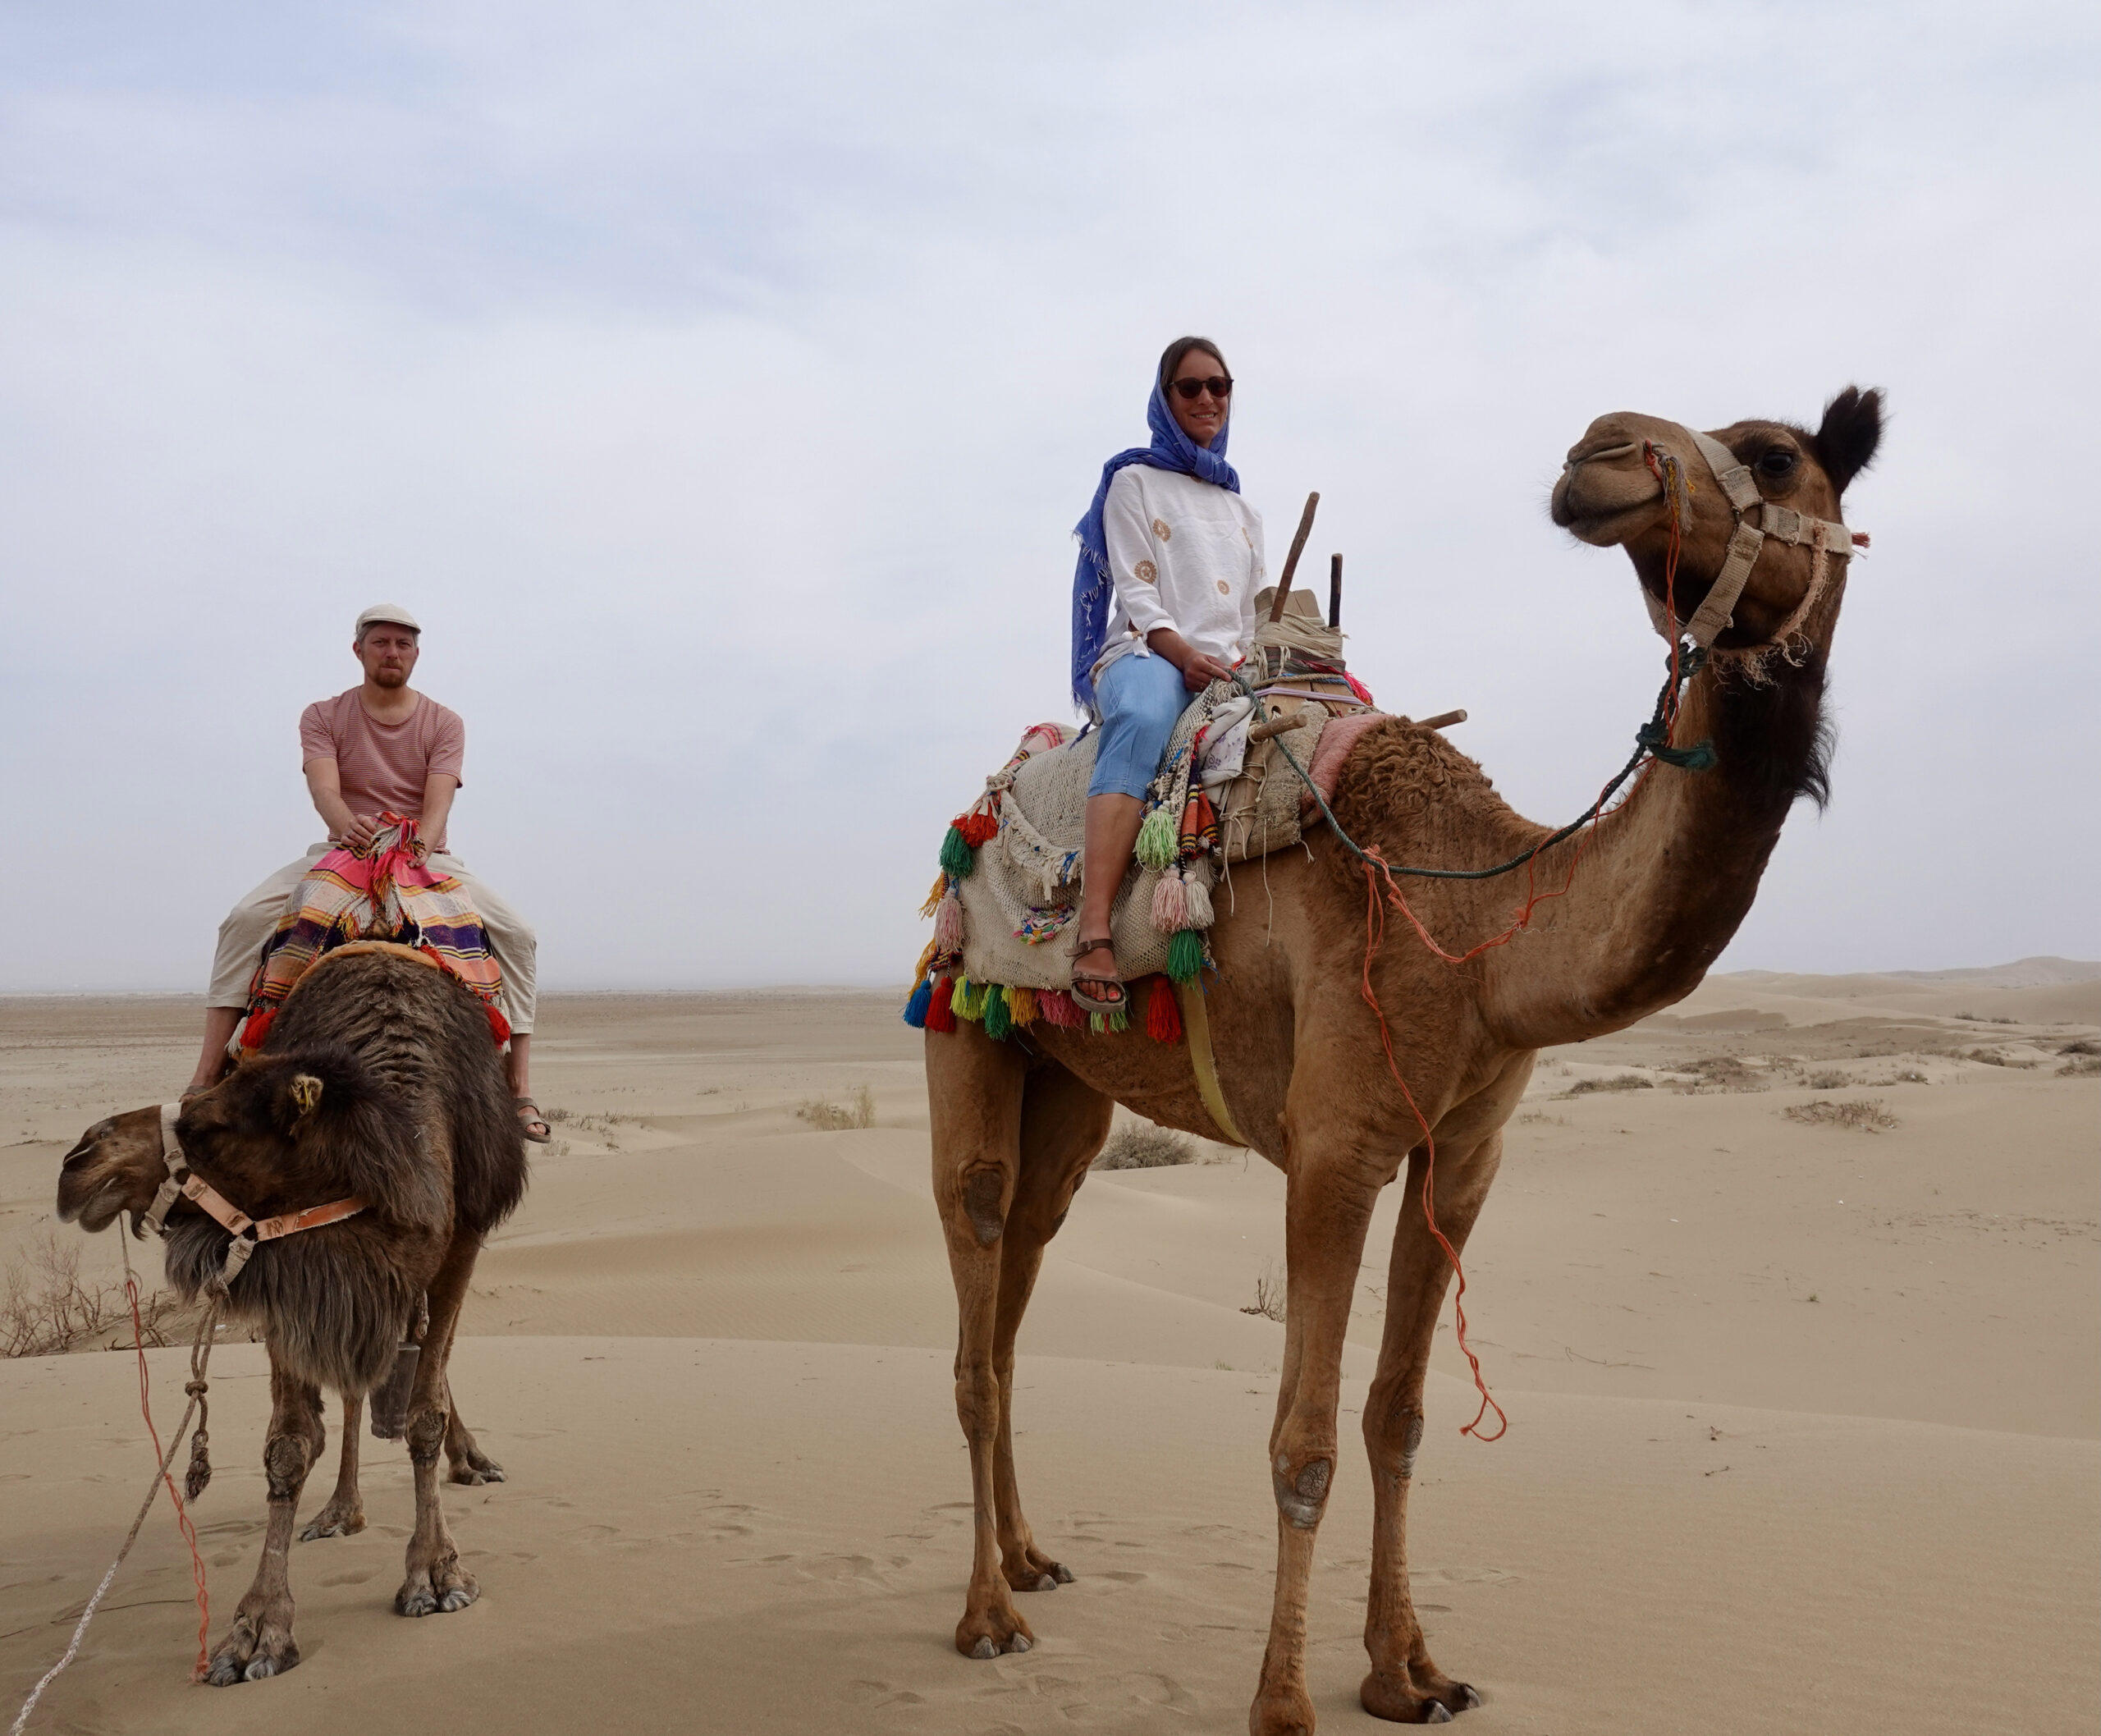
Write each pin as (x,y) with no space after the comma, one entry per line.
(968,1000)
(1120,1019)
(1021,1003)
(978,828)
(1058,1008)
(915,1009)
(1170,909)
(1163,1013)
(940,1011)
(948,922)
(1185,955)
(934,897)
(999,1017)
(257,1028)
(1199,830)
(957,858)
(1196,899)
(926,960)
(1097,1023)
(499,1026)
(1156,841)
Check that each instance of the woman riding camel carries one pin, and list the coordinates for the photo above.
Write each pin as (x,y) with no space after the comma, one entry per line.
(1170,540)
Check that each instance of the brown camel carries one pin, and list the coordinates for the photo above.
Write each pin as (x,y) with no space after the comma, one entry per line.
(379,1083)
(1654,893)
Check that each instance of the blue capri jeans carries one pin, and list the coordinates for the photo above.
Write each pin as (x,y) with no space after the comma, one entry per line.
(1140,699)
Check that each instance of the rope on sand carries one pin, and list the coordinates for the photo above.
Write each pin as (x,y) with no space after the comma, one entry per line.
(200,1357)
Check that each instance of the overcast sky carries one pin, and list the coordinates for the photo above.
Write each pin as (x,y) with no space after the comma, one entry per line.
(721,384)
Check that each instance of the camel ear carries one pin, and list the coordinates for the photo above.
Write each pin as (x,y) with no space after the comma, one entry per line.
(304,1092)
(1851,430)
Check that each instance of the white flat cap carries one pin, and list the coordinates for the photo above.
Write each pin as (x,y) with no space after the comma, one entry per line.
(392,613)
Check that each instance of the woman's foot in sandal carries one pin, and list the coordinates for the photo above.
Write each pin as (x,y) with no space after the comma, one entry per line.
(1093,1000)
(531,1123)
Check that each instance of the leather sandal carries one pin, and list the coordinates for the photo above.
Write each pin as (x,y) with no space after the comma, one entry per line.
(528,1123)
(1094,1003)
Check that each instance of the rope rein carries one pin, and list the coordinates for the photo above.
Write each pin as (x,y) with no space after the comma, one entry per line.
(198,1474)
(1653,743)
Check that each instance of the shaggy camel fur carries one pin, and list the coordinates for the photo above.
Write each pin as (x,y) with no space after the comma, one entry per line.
(1657,891)
(378,1080)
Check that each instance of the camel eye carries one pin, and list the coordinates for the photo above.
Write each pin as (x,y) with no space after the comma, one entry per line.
(1776,462)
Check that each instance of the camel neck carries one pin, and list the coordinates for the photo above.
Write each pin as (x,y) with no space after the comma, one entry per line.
(1662,884)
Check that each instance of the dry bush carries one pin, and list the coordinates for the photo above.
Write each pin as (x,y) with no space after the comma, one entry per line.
(1863,1113)
(1139,1145)
(2081,1046)
(1723,1073)
(2081,1067)
(857,1111)
(46,1306)
(1996,1058)
(1618,1081)
(1828,1082)
(1269,1292)
(1541,1118)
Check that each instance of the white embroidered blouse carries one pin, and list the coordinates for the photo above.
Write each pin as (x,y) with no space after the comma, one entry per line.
(1183,554)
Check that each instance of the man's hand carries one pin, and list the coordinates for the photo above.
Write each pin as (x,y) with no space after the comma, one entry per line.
(1198,669)
(359,834)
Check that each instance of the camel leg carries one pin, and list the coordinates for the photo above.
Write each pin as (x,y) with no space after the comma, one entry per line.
(344,1516)
(260,1643)
(974,1090)
(1063,1125)
(465,1462)
(1334,1183)
(435,1579)
(1404,1684)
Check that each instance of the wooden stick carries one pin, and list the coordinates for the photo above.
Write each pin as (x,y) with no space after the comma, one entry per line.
(1335,592)
(1297,548)
(1443,720)
(1279,725)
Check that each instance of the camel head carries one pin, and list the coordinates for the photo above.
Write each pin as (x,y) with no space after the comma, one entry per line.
(1611,492)
(278,1129)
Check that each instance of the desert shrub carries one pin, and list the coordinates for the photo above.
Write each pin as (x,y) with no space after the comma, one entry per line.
(2081,1067)
(1995,1058)
(2081,1046)
(857,1111)
(1862,1113)
(46,1306)
(1139,1145)
(1269,1292)
(1723,1073)
(1828,1082)
(1618,1081)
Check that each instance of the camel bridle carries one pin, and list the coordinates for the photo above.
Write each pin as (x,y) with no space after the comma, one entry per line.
(1829,540)
(183,1182)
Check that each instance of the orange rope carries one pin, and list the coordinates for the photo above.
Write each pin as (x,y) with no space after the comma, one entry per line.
(1377,869)
(181,1512)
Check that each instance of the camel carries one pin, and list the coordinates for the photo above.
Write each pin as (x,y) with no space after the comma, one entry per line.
(1653,893)
(377,1083)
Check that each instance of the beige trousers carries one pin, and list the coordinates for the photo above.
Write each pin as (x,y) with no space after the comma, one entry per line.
(251,921)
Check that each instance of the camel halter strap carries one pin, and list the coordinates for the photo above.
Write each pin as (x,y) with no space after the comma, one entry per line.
(1829,540)
(183,1182)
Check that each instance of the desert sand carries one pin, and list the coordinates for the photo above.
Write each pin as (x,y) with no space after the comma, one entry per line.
(1804,1418)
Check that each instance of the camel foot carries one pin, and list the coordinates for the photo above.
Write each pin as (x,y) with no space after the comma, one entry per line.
(474,1469)
(1428,1698)
(338,1520)
(986,1633)
(1280,1712)
(1034,1571)
(437,1590)
(252,1651)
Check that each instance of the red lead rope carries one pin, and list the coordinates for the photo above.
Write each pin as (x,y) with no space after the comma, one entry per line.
(182,1512)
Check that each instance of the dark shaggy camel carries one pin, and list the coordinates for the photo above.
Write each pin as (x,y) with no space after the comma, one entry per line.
(378,1082)
(1652,896)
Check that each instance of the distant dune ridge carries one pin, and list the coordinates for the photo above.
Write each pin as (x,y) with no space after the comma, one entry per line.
(1792,1293)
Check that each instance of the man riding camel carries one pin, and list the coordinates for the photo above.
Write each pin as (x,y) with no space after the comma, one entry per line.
(379,748)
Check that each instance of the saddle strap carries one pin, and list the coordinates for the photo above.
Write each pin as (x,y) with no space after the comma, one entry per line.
(1196,1023)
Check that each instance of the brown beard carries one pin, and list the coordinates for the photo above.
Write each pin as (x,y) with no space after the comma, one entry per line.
(390,677)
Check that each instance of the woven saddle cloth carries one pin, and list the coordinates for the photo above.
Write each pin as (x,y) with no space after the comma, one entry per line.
(1019,902)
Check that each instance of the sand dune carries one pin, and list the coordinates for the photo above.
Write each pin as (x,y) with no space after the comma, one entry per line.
(1804,1419)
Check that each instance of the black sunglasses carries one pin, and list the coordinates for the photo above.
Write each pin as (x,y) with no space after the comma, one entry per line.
(1219,385)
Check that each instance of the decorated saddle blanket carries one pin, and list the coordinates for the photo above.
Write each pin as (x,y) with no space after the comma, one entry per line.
(1005,905)
(386,892)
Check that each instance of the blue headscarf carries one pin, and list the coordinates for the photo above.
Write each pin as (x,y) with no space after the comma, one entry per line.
(1092,586)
